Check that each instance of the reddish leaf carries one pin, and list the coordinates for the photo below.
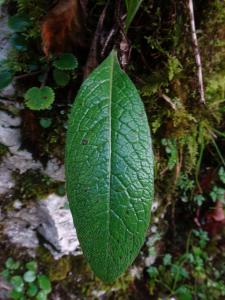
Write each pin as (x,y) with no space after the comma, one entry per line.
(216,214)
(58,24)
(213,220)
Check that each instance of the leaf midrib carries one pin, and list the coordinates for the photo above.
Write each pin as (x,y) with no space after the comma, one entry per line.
(110,153)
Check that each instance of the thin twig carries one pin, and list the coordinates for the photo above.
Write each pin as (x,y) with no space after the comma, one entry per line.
(196,51)
(108,40)
(168,100)
(45,78)
(124,46)
(92,56)
(6,98)
(26,75)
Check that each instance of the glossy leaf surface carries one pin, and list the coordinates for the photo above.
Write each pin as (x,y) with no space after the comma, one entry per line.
(109,169)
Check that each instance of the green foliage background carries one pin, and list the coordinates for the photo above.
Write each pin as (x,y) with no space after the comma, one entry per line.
(188,139)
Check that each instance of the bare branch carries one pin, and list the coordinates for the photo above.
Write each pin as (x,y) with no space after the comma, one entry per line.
(19,77)
(196,51)
(168,100)
(45,77)
(108,40)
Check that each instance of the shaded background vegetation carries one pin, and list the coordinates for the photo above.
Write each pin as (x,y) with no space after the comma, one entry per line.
(187,231)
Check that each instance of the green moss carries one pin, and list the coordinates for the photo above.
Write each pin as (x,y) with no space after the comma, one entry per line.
(87,284)
(76,277)
(32,185)
(58,270)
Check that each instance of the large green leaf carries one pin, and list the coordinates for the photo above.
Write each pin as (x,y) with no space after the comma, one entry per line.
(109,169)
(132,8)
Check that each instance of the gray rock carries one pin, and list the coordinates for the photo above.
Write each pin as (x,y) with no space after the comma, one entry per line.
(15,159)
(21,161)
(5,34)
(21,233)
(55,170)
(51,220)
(5,288)
(48,217)
(9,131)
(17,205)
(57,226)
(5,46)
(20,228)
(6,180)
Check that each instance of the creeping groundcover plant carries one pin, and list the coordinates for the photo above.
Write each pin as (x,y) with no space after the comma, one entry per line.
(109,169)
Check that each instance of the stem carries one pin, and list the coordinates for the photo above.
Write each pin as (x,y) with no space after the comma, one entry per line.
(168,100)
(196,51)
(188,242)
(219,132)
(108,40)
(202,147)
(26,75)
(92,61)
(45,78)
(6,98)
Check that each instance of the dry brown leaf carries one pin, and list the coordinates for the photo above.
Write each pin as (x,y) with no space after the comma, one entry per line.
(58,24)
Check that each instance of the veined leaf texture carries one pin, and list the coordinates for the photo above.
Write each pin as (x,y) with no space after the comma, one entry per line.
(109,169)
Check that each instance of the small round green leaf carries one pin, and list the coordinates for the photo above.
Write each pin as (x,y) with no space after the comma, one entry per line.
(167,259)
(19,23)
(152,272)
(29,276)
(66,61)
(61,78)
(32,290)
(44,283)
(45,122)
(15,295)
(184,293)
(41,296)
(39,98)
(5,78)
(9,263)
(32,266)
(17,283)
(61,190)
